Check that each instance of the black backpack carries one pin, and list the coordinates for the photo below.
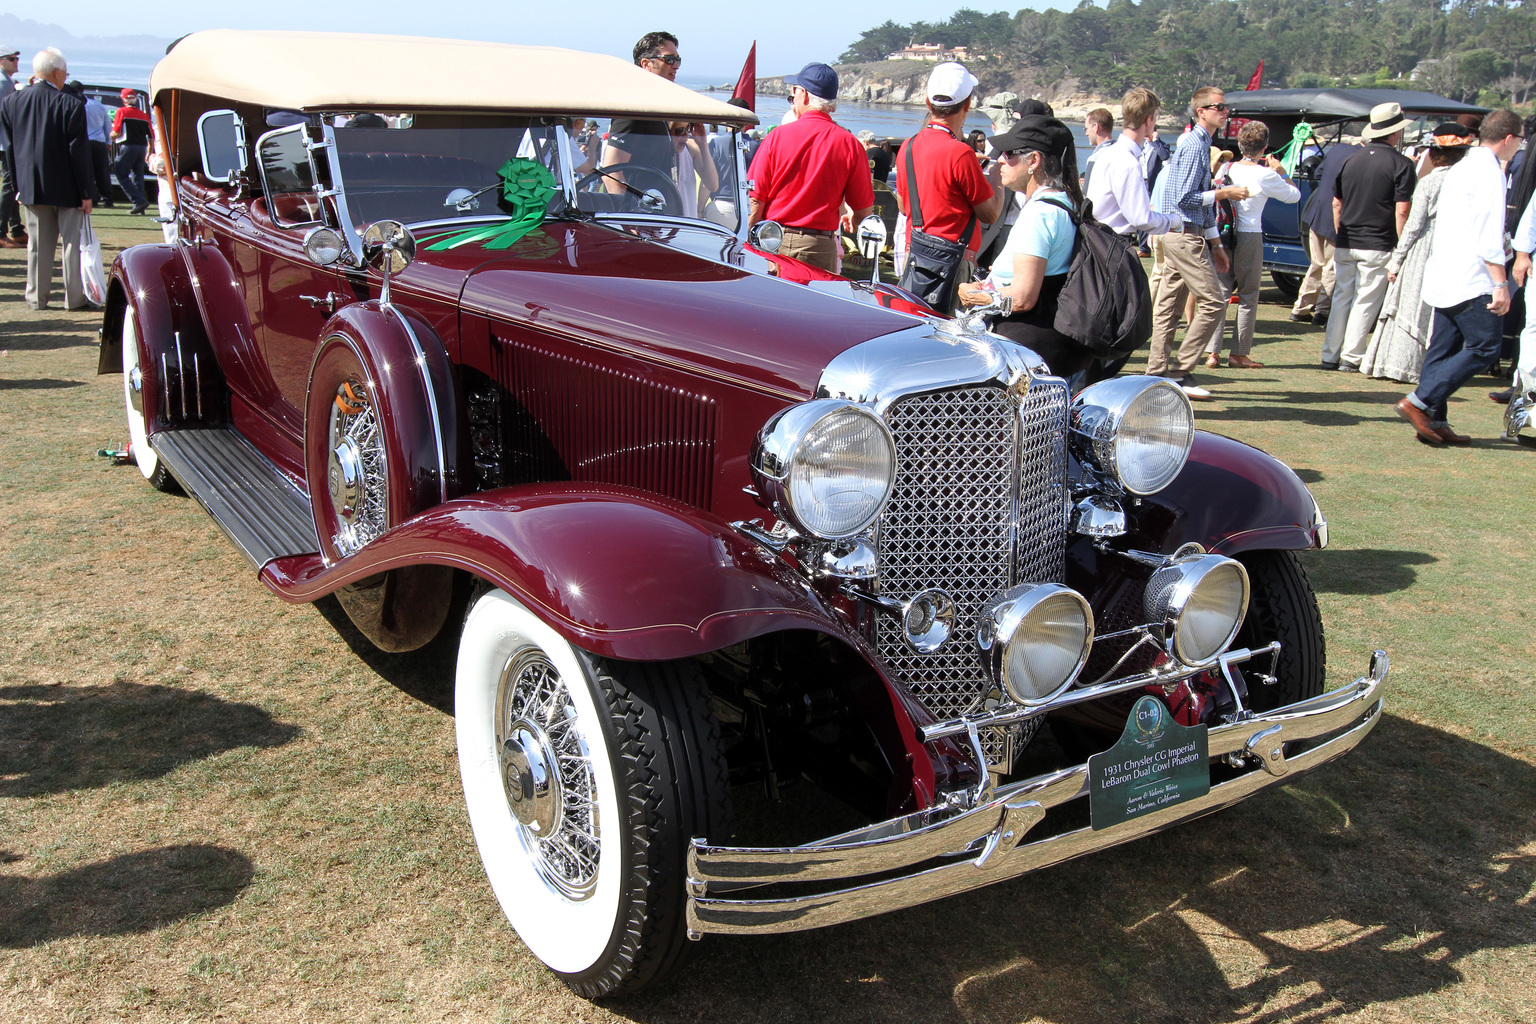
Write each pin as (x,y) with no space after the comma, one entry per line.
(1105,303)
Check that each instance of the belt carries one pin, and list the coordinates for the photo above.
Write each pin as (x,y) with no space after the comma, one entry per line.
(1190,229)
(813,231)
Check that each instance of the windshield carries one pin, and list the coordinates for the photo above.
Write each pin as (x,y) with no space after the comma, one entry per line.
(425,167)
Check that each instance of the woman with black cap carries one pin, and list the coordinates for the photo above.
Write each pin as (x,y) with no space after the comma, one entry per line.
(1038,158)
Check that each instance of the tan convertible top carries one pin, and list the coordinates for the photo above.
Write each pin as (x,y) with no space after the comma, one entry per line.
(325,71)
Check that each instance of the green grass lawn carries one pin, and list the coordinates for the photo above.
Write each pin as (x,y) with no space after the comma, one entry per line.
(214,805)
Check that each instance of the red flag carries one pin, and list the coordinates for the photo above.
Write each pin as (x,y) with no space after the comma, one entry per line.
(1257,81)
(746,85)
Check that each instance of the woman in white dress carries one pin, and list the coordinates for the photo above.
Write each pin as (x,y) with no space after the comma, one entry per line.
(1397,347)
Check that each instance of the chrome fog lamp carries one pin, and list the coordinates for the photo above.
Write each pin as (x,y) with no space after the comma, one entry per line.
(1201,601)
(324,246)
(1138,430)
(825,466)
(1035,639)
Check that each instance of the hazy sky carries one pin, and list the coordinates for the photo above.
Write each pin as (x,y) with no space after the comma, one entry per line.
(714,37)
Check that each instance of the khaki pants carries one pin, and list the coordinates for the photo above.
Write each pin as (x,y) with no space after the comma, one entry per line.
(1359,290)
(1244,277)
(1187,269)
(1316,293)
(45,226)
(822,251)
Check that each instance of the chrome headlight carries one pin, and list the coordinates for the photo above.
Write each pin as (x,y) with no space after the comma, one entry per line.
(1136,429)
(1035,639)
(1201,601)
(826,466)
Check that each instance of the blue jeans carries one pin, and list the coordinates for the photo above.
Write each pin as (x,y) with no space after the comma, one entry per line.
(130,169)
(1464,341)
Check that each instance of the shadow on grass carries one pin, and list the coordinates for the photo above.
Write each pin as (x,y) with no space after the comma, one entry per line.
(425,674)
(49,340)
(136,892)
(58,738)
(1308,476)
(1365,570)
(39,384)
(1382,877)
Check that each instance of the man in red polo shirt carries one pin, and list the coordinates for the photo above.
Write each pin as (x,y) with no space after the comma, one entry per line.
(805,170)
(952,192)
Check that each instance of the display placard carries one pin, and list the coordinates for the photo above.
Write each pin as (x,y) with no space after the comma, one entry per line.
(1157,762)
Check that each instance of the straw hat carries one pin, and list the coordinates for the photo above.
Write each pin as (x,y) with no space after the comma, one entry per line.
(1386,118)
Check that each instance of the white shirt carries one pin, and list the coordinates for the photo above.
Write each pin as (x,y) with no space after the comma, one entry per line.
(1263,184)
(1118,191)
(1525,234)
(1469,231)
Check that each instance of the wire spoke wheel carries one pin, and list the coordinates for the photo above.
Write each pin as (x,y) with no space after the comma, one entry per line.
(584,779)
(356,474)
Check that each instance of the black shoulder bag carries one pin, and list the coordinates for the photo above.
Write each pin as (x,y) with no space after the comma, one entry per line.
(932,271)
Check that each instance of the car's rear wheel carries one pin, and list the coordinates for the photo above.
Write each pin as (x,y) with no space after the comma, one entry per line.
(1289,284)
(133,402)
(585,779)
(1283,607)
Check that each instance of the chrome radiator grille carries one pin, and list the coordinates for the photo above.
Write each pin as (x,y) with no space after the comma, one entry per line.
(963,458)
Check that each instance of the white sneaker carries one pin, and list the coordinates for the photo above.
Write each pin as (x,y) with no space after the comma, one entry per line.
(1195,391)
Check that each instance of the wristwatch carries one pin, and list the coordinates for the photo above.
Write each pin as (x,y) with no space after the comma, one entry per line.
(1501,284)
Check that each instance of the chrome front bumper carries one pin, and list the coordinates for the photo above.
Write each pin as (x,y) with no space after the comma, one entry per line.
(987,840)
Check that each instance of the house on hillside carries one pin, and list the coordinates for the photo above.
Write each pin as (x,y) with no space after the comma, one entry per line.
(930,51)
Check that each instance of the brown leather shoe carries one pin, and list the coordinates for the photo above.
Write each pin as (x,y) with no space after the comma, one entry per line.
(1450,436)
(1420,420)
(11,243)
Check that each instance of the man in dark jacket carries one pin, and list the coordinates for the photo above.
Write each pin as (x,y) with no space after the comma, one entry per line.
(1314,300)
(49,158)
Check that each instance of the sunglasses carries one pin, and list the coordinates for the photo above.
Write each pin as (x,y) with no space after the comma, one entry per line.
(1215,106)
(670,59)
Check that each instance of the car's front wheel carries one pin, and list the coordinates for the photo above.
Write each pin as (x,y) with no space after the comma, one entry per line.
(584,780)
(133,402)
(1283,607)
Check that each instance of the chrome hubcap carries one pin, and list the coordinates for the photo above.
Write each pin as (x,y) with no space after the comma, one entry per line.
(546,772)
(355,473)
(530,776)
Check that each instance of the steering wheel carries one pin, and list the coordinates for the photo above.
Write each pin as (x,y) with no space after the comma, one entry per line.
(650,177)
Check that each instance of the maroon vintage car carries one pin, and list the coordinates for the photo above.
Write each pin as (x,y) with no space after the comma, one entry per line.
(707,522)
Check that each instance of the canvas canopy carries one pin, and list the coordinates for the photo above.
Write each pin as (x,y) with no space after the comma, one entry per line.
(1318,104)
(325,71)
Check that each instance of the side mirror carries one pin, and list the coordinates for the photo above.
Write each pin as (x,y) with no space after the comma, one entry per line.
(766,235)
(653,201)
(872,236)
(388,246)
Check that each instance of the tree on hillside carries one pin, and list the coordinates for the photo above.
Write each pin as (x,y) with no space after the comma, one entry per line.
(1459,47)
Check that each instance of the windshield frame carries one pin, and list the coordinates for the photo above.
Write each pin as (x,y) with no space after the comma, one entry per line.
(568,157)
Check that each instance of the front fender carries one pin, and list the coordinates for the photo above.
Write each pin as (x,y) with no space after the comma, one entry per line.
(630,575)
(618,572)
(182,379)
(1230,497)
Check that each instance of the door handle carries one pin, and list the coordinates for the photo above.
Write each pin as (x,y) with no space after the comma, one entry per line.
(330,301)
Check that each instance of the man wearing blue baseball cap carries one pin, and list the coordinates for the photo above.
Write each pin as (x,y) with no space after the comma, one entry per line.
(805,170)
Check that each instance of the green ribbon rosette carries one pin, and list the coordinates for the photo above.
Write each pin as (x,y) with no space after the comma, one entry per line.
(526,186)
(1290,154)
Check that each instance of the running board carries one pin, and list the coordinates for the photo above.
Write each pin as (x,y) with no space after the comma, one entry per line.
(258,508)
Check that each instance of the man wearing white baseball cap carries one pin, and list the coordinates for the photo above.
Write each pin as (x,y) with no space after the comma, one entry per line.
(943,192)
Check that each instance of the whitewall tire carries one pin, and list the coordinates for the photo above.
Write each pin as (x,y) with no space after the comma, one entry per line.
(584,780)
(138,434)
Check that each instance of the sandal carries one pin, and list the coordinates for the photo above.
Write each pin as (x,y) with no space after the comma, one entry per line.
(1213,361)
(1244,363)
